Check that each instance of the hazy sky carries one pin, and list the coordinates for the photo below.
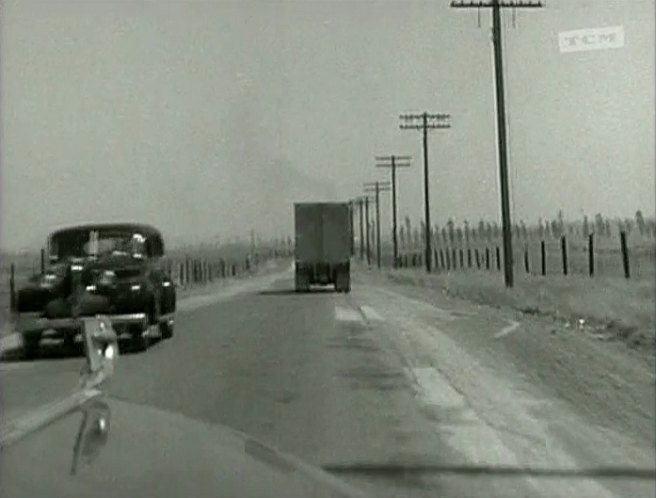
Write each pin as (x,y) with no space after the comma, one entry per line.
(211,117)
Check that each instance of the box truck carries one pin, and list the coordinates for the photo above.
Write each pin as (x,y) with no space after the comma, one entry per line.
(322,245)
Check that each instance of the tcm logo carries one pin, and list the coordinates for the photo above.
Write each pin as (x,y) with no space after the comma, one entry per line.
(591,39)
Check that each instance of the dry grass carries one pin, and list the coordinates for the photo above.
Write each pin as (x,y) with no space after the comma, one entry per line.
(624,309)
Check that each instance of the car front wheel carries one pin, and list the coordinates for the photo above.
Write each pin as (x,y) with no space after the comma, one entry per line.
(31,345)
(166,328)
(139,336)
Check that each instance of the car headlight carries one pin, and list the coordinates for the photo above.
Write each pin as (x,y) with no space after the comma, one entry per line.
(47,280)
(106,278)
(135,287)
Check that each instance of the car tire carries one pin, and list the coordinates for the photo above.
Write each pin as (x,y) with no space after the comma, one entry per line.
(140,339)
(31,346)
(166,328)
(69,340)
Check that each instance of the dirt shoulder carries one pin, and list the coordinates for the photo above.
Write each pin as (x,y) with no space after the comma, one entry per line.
(609,308)
(602,375)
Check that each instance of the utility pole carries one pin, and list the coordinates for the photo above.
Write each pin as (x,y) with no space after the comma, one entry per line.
(376,188)
(366,215)
(394,162)
(360,206)
(506,223)
(352,225)
(425,122)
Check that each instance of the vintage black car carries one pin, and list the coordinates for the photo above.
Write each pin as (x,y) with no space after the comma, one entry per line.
(117,270)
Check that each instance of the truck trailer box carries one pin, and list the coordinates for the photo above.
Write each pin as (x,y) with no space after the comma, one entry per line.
(322,244)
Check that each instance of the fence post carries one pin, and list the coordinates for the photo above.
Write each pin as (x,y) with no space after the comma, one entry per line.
(478,258)
(462,258)
(591,254)
(448,260)
(526,266)
(442,259)
(543,254)
(487,258)
(437,261)
(563,249)
(12,288)
(469,257)
(498,254)
(625,254)
(43,261)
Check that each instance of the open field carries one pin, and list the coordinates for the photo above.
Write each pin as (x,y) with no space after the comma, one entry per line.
(611,308)
(607,260)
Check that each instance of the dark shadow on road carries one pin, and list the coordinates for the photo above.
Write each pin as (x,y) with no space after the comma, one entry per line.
(387,470)
(290,292)
(58,351)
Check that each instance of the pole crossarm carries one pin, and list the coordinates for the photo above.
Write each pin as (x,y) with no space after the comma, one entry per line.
(396,158)
(425,121)
(429,115)
(512,4)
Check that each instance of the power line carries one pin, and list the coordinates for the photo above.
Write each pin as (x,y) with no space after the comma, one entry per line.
(424,122)
(496,6)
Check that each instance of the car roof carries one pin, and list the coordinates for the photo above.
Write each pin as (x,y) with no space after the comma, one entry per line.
(144,229)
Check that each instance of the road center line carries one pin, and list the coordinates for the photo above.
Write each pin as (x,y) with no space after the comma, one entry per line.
(345,314)
(371,314)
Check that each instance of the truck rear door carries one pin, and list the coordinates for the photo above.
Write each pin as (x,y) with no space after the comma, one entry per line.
(336,240)
(308,232)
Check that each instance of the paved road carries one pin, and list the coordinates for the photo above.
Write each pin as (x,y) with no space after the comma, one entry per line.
(401,393)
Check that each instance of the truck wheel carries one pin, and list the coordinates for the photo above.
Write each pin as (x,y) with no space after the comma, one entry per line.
(31,345)
(343,282)
(302,282)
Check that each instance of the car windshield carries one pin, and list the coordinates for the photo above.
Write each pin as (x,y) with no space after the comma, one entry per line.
(85,243)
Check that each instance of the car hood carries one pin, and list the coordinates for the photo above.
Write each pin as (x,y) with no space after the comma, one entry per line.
(109,447)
